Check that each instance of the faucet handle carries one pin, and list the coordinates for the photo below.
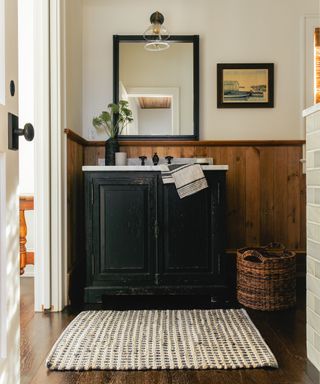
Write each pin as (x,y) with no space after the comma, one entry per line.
(142,158)
(169,158)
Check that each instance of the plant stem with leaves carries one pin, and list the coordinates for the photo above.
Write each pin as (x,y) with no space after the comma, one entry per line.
(115,119)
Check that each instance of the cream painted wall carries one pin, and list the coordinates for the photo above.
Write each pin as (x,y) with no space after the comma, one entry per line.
(73,65)
(230,31)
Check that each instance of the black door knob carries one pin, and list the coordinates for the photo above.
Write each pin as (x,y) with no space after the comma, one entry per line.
(14,132)
(27,132)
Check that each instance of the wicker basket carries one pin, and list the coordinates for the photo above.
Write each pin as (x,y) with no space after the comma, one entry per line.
(266,277)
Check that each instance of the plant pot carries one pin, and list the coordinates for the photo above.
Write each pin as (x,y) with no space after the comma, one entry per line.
(111,147)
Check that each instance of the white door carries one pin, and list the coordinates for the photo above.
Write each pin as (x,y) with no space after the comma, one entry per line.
(9,213)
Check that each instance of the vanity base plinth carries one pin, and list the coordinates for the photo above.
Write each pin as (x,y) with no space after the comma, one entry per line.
(217,294)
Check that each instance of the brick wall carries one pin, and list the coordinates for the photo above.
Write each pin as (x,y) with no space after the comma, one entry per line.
(313,238)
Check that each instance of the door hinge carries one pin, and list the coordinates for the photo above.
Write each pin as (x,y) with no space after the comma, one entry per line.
(156,278)
(218,193)
(156,229)
(92,194)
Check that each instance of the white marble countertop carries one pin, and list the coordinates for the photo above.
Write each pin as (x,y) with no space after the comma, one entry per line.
(311,110)
(109,168)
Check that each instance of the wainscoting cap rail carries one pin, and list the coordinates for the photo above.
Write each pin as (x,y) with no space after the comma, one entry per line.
(219,143)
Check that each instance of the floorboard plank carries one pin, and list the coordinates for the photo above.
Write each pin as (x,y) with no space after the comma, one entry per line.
(27,301)
(283,331)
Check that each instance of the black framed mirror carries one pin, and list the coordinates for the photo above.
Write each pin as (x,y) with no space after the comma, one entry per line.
(162,88)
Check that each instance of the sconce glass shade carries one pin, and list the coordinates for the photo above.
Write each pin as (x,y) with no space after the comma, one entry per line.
(156,46)
(156,34)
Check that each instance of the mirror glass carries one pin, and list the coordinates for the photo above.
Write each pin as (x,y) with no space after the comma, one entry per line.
(159,87)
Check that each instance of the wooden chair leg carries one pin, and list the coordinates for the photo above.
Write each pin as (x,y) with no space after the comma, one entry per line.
(23,241)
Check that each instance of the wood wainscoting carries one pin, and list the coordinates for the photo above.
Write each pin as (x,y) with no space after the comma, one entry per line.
(266,189)
(75,216)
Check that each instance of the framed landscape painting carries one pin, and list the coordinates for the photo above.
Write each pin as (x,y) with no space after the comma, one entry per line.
(245,85)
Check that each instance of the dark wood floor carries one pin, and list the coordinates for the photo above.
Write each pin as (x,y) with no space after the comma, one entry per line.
(284,332)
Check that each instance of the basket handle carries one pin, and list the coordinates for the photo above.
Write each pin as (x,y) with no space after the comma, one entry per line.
(275,249)
(250,255)
(276,245)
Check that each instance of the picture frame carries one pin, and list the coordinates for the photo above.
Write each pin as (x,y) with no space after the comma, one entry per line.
(245,85)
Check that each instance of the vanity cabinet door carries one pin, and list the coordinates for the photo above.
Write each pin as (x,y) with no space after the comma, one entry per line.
(193,235)
(121,212)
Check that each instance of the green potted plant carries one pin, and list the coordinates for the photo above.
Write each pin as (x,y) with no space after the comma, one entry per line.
(113,121)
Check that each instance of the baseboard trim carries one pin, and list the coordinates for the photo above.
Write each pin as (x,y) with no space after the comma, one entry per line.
(313,372)
(68,288)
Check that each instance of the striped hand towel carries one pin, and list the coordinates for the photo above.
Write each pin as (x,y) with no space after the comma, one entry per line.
(189,178)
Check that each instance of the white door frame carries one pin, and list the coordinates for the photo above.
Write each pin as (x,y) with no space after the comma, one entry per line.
(310,23)
(50,256)
(58,156)
(41,157)
(173,92)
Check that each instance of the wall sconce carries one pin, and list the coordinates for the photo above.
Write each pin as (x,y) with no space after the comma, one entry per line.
(156,34)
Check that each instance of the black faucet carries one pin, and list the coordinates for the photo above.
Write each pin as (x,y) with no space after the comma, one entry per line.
(155,159)
(142,158)
(169,158)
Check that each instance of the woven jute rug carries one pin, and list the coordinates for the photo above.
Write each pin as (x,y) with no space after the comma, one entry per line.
(161,339)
